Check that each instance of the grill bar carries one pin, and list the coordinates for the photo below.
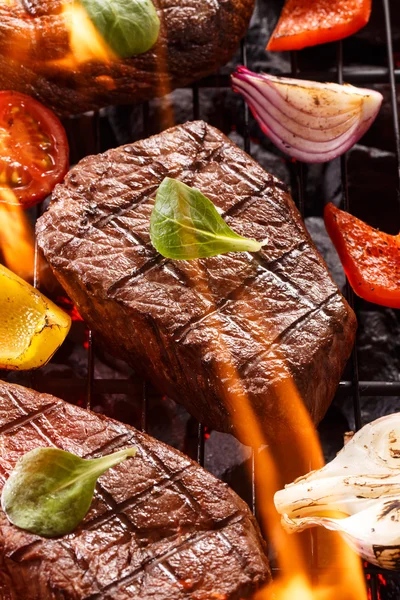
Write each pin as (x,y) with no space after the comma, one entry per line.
(246,112)
(90,342)
(312,534)
(300,179)
(90,370)
(144,409)
(55,385)
(355,75)
(200,427)
(393,94)
(200,444)
(349,292)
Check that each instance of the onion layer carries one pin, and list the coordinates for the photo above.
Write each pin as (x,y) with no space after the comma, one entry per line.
(310,121)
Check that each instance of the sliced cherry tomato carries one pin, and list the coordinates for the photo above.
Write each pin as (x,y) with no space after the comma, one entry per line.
(370,258)
(306,23)
(33,150)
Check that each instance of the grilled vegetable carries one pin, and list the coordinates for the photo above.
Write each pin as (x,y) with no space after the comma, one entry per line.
(357,494)
(33,150)
(313,122)
(185,225)
(32,328)
(310,22)
(370,258)
(50,491)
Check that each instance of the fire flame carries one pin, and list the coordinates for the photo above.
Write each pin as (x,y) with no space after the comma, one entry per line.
(296,588)
(17,248)
(343,578)
(85,42)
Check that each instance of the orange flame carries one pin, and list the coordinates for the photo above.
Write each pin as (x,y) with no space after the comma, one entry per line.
(17,248)
(343,577)
(85,42)
(295,588)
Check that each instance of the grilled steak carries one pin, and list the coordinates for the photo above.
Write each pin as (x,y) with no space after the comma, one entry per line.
(202,331)
(196,38)
(160,526)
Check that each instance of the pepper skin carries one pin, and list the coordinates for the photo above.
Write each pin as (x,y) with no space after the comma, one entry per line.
(306,23)
(370,258)
(32,327)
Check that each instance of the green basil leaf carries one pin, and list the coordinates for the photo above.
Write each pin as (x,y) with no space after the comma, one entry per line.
(184,225)
(50,491)
(129,27)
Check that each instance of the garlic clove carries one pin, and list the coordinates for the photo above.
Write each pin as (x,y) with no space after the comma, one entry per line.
(357,494)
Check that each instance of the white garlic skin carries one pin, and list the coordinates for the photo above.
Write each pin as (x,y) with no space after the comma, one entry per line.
(362,484)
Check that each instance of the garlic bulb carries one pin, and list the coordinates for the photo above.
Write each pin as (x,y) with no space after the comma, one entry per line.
(357,494)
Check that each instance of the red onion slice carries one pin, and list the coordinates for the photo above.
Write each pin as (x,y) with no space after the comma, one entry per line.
(310,121)
(281,120)
(304,117)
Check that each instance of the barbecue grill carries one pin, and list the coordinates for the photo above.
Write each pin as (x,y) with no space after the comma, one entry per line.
(88,135)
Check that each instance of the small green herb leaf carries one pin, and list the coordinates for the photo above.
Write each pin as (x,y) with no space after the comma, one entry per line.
(50,491)
(184,225)
(129,27)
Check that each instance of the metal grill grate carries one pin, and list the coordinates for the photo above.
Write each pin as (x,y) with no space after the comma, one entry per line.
(352,388)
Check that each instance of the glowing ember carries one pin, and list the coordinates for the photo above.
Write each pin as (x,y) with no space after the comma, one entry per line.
(69,307)
(16,239)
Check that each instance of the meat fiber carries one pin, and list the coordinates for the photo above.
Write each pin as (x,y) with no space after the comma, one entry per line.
(196,38)
(160,527)
(203,331)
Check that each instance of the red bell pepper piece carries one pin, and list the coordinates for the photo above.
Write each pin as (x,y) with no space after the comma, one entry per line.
(370,258)
(311,22)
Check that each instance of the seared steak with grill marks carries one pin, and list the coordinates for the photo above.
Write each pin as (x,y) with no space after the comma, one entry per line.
(160,527)
(196,38)
(202,331)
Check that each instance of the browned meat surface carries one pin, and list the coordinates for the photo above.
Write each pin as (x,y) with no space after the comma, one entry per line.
(202,331)
(196,38)
(160,526)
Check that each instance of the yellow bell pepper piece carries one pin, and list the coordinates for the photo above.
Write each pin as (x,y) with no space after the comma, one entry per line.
(32,327)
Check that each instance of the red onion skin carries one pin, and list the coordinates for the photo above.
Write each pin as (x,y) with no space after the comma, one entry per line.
(262,92)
